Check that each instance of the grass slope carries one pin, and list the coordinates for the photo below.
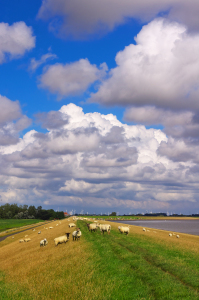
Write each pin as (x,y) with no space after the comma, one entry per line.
(100,267)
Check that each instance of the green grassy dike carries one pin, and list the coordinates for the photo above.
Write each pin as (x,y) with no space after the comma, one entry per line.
(99,267)
(132,267)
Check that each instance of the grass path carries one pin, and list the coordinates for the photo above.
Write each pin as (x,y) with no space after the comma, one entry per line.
(100,267)
(141,269)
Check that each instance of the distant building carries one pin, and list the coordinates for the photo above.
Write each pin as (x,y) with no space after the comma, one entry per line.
(66,214)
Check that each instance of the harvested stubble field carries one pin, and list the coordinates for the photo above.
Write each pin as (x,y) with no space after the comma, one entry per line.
(142,265)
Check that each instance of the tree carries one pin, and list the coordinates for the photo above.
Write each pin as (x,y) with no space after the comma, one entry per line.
(32,211)
(9,215)
(113,213)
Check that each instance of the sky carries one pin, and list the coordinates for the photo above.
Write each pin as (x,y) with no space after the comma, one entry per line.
(99,105)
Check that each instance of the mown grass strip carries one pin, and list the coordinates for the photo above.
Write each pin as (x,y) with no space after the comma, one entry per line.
(142,269)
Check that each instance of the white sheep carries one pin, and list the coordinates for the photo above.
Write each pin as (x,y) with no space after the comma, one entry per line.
(33,230)
(62,239)
(39,232)
(76,234)
(27,240)
(177,236)
(92,227)
(50,227)
(124,229)
(21,241)
(71,225)
(170,234)
(144,229)
(43,242)
(104,228)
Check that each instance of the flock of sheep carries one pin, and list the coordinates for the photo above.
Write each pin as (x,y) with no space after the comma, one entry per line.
(77,233)
(58,240)
(170,234)
(106,228)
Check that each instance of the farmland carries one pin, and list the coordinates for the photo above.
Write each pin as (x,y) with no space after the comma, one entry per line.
(6,224)
(142,265)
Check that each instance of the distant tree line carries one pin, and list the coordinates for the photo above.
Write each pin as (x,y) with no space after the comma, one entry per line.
(13,211)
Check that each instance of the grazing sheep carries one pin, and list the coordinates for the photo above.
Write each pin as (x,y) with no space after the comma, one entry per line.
(39,232)
(144,229)
(124,229)
(12,237)
(71,225)
(33,230)
(27,240)
(177,236)
(50,227)
(104,228)
(21,241)
(92,227)
(62,239)
(76,234)
(170,234)
(43,242)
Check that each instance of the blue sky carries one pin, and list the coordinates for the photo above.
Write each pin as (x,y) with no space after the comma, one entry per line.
(99,105)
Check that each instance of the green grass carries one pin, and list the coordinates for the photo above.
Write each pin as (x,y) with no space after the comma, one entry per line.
(11,290)
(136,268)
(6,224)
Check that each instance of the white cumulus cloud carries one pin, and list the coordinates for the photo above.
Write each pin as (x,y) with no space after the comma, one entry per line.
(71,79)
(91,160)
(15,40)
(161,70)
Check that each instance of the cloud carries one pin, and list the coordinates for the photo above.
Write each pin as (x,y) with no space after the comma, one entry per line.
(82,18)
(93,161)
(34,64)
(52,119)
(71,79)
(148,115)
(161,70)
(15,40)
(11,121)
(9,110)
